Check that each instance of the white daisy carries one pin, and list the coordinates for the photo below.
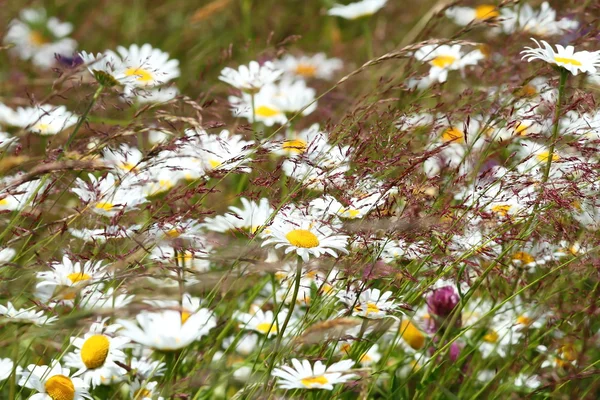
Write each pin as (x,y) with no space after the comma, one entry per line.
(370,303)
(101,235)
(225,151)
(44,119)
(305,236)
(124,160)
(303,375)
(306,67)
(96,355)
(444,58)
(166,330)
(251,78)
(53,383)
(264,322)
(265,109)
(25,315)
(25,194)
(112,300)
(565,57)
(251,216)
(66,279)
(39,38)
(542,22)
(465,15)
(296,143)
(146,368)
(149,66)
(106,196)
(143,391)
(363,8)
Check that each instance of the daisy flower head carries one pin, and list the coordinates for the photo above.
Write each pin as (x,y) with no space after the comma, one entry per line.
(465,15)
(67,278)
(110,300)
(142,390)
(148,66)
(307,67)
(21,196)
(303,375)
(45,119)
(297,143)
(250,217)
(302,234)
(107,196)
(25,315)
(95,358)
(444,58)
(251,78)
(541,22)
(292,97)
(168,330)
(53,383)
(224,152)
(369,303)
(564,57)
(39,38)
(264,111)
(265,322)
(356,10)
(124,160)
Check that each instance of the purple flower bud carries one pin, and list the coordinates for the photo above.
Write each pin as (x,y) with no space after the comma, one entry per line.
(442,301)
(455,349)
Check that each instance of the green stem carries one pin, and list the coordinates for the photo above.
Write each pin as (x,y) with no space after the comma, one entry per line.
(561,92)
(368,38)
(83,118)
(13,376)
(285,323)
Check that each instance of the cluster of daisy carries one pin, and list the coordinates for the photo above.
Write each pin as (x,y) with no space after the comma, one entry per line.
(175,258)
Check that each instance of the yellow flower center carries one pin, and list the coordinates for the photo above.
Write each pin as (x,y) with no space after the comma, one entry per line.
(302,238)
(106,206)
(564,60)
(94,351)
(184,258)
(501,209)
(60,387)
(306,70)
(412,335)
(266,328)
(296,146)
(214,164)
(173,233)
(485,11)
(442,61)
(266,112)
(142,394)
(528,91)
(314,381)
(365,358)
(544,155)
(128,166)
(371,308)
(37,38)
(454,135)
(141,74)
(524,320)
(76,277)
(185,316)
(3,202)
(350,212)
(521,129)
(524,257)
(43,128)
(491,336)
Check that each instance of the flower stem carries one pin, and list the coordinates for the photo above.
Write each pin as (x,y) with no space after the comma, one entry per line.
(286,321)
(83,118)
(561,92)
(368,38)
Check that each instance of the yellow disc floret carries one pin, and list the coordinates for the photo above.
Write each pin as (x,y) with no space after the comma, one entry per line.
(94,351)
